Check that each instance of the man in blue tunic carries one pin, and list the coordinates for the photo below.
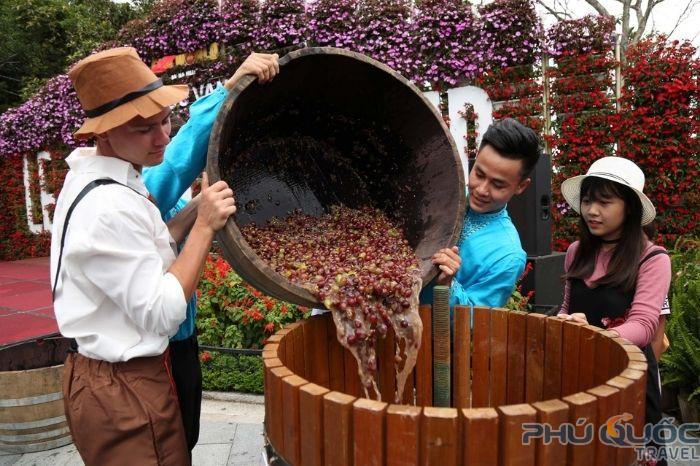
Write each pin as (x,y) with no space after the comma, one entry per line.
(183,161)
(488,259)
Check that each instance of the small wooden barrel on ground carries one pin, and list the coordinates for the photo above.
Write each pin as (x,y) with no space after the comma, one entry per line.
(510,369)
(32,416)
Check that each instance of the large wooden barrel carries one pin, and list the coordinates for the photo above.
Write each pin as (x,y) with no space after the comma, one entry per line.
(508,368)
(334,127)
(32,417)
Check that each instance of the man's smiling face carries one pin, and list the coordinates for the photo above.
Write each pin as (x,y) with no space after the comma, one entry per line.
(493,180)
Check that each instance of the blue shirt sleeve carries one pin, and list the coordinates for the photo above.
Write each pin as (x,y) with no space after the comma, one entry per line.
(494,288)
(186,155)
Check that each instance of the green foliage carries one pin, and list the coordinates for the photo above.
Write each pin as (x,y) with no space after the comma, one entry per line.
(517,300)
(41,38)
(223,372)
(232,314)
(680,365)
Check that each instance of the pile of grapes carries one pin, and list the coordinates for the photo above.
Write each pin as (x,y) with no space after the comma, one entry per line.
(360,266)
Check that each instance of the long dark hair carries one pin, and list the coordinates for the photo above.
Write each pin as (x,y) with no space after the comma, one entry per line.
(622,269)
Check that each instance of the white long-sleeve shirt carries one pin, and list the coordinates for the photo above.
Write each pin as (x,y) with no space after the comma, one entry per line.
(114,294)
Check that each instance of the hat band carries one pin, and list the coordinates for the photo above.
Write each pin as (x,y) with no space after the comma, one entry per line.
(102,109)
(611,175)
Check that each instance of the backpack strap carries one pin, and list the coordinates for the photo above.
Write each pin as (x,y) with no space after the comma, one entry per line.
(89,187)
(652,254)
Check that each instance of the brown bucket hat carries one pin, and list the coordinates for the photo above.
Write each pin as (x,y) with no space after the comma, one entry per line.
(115,86)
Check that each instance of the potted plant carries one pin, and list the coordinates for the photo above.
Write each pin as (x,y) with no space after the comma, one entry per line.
(680,365)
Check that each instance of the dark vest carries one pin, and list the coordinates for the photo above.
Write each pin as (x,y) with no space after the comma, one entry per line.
(606,306)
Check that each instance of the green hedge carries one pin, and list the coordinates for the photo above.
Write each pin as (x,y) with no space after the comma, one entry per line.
(226,373)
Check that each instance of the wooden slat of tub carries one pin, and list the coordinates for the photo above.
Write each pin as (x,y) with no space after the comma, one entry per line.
(479,436)
(424,363)
(311,424)
(440,437)
(510,435)
(281,339)
(275,426)
(369,432)
(638,396)
(611,358)
(336,357)
(622,358)
(570,357)
(624,456)
(461,358)
(408,396)
(386,374)
(603,361)
(552,358)
(480,357)
(316,351)
(517,328)
(277,337)
(553,413)
(337,429)
(499,353)
(582,406)
(586,361)
(298,340)
(290,418)
(353,385)
(534,363)
(402,435)
(608,406)
(268,365)
(270,351)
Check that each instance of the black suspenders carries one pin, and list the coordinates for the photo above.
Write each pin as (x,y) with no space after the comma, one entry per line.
(90,186)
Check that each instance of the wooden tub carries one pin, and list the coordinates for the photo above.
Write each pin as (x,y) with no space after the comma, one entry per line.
(510,368)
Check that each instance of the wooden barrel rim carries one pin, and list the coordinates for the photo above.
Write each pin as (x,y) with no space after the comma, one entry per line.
(623,385)
(262,276)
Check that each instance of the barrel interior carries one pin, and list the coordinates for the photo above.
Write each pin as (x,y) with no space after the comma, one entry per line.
(507,368)
(34,354)
(338,128)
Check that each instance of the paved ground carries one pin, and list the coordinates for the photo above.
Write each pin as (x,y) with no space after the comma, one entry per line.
(26,310)
(231,435)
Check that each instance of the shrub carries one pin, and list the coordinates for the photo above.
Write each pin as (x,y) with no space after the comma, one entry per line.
(680,365)
(232,314)
(223,372)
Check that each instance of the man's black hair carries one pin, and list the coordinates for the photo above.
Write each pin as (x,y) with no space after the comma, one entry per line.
(513,140)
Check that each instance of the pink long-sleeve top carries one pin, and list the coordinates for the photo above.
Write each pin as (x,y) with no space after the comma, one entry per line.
(652,287)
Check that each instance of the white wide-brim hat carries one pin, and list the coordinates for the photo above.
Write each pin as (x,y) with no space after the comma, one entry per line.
(617,169)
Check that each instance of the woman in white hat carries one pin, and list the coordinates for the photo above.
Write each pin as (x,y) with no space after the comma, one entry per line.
(616,278)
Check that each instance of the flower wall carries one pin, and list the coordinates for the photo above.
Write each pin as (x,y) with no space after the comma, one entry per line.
(659,128)
(582,101)
(654,123)
(438,44)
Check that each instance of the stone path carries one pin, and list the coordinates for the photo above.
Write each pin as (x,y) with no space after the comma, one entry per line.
(231,435)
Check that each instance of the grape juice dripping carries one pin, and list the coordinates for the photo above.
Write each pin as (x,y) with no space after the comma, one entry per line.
(360,266)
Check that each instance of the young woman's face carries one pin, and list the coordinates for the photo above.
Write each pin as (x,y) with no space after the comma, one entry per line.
(604,215)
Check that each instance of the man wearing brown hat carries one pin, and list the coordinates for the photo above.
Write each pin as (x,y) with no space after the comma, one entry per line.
(184,160)
(119,289)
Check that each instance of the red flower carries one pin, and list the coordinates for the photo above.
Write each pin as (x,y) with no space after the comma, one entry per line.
(205,356)
(269,327)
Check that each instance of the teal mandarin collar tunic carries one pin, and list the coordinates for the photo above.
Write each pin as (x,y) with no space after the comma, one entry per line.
(492,261)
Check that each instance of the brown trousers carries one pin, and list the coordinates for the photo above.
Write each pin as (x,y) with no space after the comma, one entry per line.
(124,413)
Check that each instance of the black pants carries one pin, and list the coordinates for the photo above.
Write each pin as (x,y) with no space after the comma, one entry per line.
(653,412)
(187,374)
